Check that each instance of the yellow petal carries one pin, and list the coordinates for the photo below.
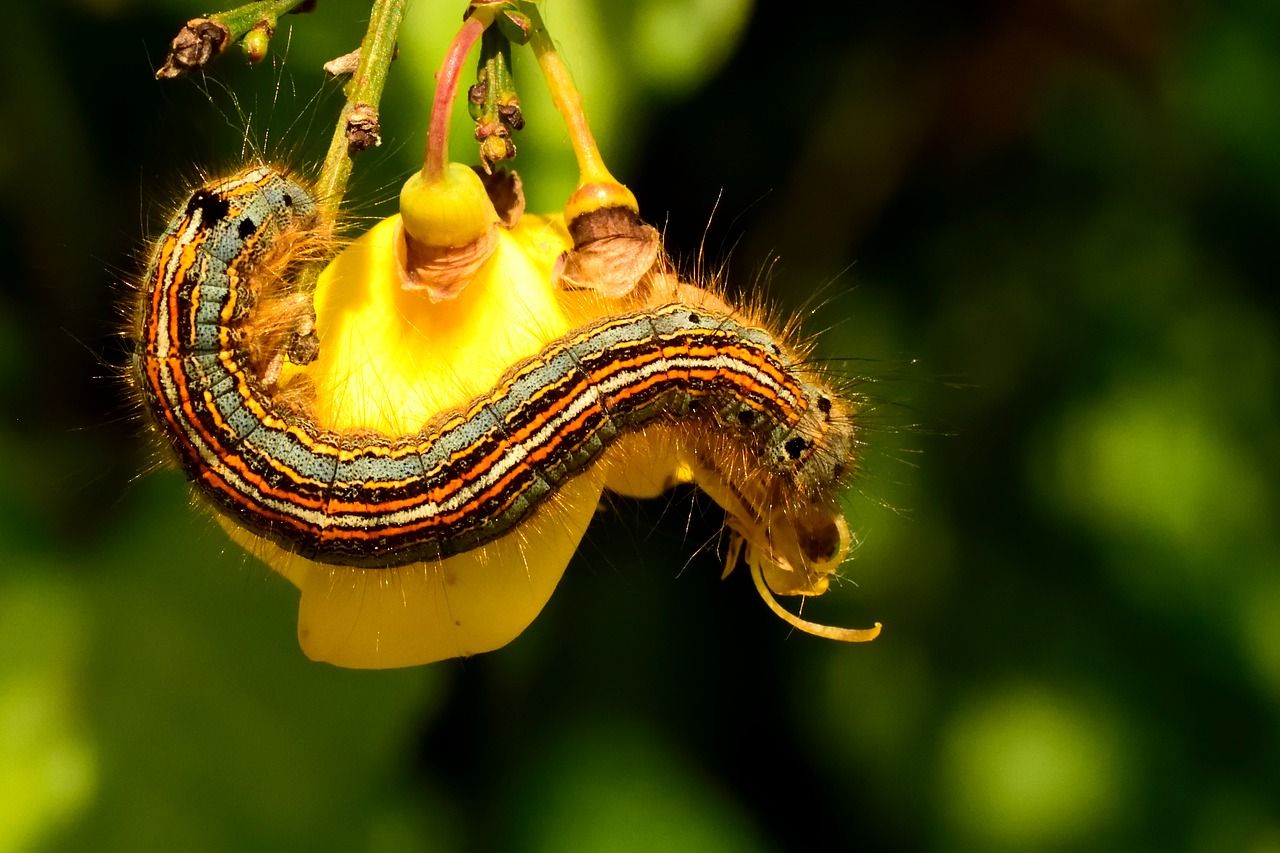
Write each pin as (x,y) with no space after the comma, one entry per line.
(390,360)
(416,614)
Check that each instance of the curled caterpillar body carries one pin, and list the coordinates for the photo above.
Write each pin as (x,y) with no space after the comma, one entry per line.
(716,386)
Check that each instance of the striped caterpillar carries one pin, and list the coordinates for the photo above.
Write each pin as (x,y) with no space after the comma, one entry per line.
(673,368)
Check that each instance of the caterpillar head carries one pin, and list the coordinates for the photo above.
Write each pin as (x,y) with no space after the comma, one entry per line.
(784,517)
(794,548)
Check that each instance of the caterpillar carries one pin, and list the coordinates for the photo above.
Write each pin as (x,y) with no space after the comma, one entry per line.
(470,475)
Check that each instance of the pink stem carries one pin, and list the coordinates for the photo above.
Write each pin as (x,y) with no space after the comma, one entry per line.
(446,89)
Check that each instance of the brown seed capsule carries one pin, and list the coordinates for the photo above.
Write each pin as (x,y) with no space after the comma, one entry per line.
(612,247)
(194,47)
(506,191)
(364,129)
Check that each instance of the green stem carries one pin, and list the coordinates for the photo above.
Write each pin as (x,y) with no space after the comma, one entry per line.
(202,39)
(244,18)
(493,101)
(363,90)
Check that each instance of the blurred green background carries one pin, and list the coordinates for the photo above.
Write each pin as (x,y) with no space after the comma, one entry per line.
(1044,232)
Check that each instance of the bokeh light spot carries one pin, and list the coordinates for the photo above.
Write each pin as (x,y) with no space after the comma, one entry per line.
(620,789)
(48,766)
(1027,767)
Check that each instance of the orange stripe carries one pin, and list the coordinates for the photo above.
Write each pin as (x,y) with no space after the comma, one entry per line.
(233,460)
(189,422)
(537,456)
(443,492)
(185,261)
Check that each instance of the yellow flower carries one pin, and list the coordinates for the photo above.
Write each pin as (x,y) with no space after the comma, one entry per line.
(389,360)
(423,315)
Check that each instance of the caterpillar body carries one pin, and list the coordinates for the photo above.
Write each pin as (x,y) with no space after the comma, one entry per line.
(471,475)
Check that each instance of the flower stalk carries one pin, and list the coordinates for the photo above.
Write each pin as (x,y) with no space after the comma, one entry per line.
(449,223)
(568,102)
(613,249)
(437,152)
